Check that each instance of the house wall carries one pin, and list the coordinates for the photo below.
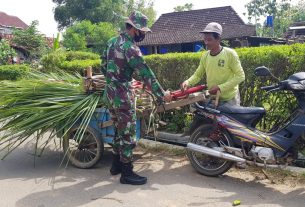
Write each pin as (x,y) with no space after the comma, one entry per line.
(160,49)
(239,42)
(20,55)
(169,48)
(5,30)
(163,49)
(197,46)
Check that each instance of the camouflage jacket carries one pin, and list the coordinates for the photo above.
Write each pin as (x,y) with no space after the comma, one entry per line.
(123,58)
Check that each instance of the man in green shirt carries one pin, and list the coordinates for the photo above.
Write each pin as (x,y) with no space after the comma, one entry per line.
(221,65)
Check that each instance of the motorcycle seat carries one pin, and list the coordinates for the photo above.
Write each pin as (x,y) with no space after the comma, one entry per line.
(229,109)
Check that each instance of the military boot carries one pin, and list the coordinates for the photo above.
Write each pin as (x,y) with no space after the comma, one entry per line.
(116,167)
(129,177)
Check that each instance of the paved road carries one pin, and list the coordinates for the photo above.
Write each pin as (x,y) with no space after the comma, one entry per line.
(172,183)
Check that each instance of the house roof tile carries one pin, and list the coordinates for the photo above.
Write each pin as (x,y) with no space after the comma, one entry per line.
(184,27)
(11,21)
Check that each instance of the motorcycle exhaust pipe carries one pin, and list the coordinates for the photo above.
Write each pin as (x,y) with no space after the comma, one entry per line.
(214,153)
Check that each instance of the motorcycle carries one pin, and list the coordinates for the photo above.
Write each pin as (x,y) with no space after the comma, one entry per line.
(227,135)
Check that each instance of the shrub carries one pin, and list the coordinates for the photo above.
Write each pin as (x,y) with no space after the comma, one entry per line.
(6,52)
(13,72)
(173,68)
(70,61)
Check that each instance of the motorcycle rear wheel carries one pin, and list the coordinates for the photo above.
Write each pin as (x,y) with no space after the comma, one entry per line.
(205,164)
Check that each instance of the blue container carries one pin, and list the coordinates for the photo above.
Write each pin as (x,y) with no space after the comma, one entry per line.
(269,21)
(102,115)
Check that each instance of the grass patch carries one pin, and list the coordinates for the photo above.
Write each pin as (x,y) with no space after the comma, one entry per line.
(278,176)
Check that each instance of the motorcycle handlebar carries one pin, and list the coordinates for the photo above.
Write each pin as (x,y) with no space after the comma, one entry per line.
(272,88)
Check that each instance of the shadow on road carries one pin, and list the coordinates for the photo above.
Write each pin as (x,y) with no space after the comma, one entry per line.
(72,187)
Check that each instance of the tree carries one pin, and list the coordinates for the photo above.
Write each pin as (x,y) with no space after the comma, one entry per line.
(6,52)
(56,43)
(31,40)
(67,12)
(185,7)
(279,10)
(258,8)
(298,12)
(144,6)
(86,36)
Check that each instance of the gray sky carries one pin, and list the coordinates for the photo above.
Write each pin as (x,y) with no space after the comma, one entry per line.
(30,10)
(42,10)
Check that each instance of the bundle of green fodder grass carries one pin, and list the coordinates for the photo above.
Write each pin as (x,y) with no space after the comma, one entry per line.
(47,103)
(43,103)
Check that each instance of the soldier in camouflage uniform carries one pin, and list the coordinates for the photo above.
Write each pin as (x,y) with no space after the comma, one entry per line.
(123,59)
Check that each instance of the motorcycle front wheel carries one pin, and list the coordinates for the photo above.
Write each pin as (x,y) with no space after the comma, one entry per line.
(205,164)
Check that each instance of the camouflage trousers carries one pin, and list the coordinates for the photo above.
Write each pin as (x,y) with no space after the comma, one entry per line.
(125,134)
(122,109)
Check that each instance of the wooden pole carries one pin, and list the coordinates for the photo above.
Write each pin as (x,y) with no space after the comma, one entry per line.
(89,72)
(217,99)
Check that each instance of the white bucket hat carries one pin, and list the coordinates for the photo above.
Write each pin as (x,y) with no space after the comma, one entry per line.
(213,27)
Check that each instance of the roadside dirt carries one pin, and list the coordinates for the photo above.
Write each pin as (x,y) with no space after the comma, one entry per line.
(267,176)
(172,182)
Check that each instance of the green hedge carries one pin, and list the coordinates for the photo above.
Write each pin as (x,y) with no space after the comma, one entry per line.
(70,61)
(77,55)
(173,68)
(13,72)
(284,60)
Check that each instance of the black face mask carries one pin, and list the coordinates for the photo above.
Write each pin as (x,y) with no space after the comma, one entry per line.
(140,37)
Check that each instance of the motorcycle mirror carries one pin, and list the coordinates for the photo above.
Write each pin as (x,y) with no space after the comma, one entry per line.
(264,71)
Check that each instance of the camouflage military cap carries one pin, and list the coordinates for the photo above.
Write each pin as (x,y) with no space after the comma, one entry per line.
(138,21)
